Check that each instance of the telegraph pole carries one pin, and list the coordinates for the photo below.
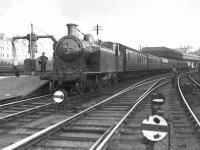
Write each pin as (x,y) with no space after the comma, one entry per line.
(97,28)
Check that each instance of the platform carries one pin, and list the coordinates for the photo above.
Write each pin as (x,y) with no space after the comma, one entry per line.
(11,86)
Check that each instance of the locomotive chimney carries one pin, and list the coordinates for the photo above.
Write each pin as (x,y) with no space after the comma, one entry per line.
(72,29)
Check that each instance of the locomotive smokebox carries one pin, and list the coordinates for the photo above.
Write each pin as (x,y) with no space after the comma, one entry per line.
(72,29)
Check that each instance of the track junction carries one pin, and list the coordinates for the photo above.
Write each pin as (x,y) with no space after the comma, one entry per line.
(113,122)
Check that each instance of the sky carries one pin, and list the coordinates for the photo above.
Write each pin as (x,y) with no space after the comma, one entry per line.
(170,23)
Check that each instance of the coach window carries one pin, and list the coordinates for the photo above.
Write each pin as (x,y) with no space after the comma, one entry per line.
(128,56)
(116,50)
(138,57)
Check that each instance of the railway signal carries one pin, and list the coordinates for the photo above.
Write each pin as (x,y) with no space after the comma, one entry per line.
(97,28)
(58,96)
(155,128)
(157,99)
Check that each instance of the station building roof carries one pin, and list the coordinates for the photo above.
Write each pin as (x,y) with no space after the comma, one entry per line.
(163,52)
(170,53)
(191,57)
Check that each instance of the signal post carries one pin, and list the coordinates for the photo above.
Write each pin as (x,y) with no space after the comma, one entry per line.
(155,128)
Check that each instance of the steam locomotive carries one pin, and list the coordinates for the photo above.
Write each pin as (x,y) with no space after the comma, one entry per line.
(81,65)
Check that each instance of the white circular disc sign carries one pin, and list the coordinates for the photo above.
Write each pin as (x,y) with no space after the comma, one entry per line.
(158,100)
(58,96)
(155,128)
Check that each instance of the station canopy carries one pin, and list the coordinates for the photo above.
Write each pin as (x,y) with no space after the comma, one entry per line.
(170,53)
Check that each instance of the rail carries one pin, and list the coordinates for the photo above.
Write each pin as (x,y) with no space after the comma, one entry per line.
(102,143)
(24,100)
(25,111)
(186,103)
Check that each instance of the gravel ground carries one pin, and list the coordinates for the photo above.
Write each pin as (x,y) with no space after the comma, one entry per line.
(196,76)
(183,135)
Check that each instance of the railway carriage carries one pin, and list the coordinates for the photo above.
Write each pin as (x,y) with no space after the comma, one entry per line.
(134,61)
(153,63)
(165,65)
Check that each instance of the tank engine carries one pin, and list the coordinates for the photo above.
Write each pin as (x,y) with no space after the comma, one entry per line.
(81,64)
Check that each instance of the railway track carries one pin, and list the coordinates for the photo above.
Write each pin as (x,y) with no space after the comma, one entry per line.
(17,116)
(18,108)
(14,109)
(186,122)
(84,128)
(11,99)
(127,133)
(184,125)
(194,80)
(190,97)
